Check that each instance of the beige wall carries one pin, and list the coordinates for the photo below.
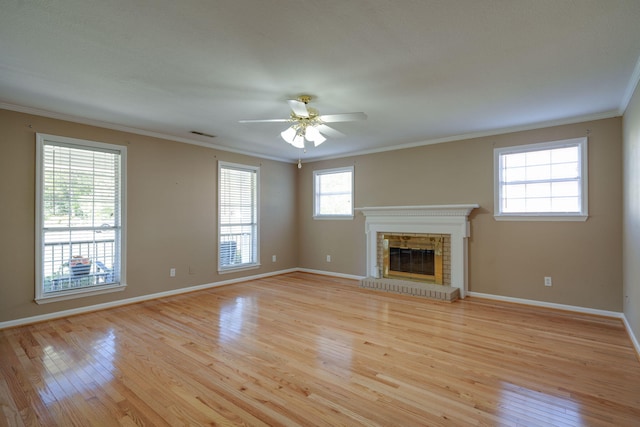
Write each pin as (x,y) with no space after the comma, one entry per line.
(631,219)
(171,213)
(505,258)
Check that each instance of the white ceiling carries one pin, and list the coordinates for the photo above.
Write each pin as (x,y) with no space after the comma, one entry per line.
(422,70)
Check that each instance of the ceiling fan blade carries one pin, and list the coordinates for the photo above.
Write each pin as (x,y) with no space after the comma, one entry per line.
(264,121)
(345,117)
(329,131)
(299,108)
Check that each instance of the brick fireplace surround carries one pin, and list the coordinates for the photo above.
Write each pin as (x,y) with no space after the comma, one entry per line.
(449,220)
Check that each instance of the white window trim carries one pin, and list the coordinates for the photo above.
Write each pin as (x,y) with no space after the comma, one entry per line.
(315,193)
(256,264)
(583,215)
(40,297)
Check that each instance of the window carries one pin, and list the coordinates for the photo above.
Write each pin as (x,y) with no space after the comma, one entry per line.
(333,193)
(79,218)
(546,181)
(238,216)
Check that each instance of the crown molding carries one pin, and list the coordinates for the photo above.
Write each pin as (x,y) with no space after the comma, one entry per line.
(473,135)
(112,126)
(631,87)
(459,137)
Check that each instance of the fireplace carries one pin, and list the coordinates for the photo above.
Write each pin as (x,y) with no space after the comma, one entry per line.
(435,237)
(413,256)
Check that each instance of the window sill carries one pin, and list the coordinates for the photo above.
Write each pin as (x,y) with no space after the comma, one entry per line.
(339,217)
(79,293)
(237,269)
(533,217)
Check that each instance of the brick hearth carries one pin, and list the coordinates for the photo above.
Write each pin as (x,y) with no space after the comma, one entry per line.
(405,287)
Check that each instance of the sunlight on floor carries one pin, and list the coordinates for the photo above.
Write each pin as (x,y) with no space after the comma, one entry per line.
(529,406)
(231,324)
(94,368)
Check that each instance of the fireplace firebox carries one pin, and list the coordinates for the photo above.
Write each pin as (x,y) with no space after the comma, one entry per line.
(412,261)
(416,257)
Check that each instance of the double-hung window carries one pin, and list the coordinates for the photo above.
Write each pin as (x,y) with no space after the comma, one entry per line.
(238,190)
(546,181)
(80,198)
(333,193)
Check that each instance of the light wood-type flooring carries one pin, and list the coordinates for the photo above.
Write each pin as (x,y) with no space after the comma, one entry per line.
(304,349)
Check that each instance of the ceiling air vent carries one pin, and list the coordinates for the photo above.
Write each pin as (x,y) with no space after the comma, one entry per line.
(195,132)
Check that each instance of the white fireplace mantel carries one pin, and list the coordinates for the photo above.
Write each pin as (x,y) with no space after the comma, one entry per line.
(430,219)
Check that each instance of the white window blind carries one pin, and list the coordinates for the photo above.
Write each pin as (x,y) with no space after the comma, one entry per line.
(79,217)
(547,180)
(238,216)
(333,193)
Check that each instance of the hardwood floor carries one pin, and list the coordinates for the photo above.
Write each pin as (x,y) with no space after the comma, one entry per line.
(303,349)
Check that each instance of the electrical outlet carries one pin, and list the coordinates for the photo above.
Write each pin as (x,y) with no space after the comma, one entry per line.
(172,272)
(273,258)
(328,258)
(547,281)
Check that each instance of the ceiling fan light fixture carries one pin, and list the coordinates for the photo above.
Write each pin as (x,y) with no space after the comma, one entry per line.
(298,141)
(309,133)
(313,134)
(289,134)
(307,123)
(295,135)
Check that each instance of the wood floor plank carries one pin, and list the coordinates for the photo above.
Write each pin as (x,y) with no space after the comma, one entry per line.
(305,349)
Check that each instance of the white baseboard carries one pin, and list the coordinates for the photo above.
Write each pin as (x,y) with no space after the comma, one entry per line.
(634,340)
(330,273)
(96,307)
(573,308)
(565,307)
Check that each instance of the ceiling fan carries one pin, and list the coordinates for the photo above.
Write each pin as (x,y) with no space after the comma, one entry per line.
(307,123)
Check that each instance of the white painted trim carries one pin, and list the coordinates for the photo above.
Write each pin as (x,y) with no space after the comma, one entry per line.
(631,87)
(79,293)
(330,273)
(41,141)
(557,218)
(316,195)
(243,168)
(87,309)
(574,308)
(136,131)
(473,135)
(113,304)
(310,158)
(334,217)
(423,210)
(634,340)
(498,154)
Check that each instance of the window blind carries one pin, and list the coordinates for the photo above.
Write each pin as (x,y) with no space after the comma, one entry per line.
(238,216)
(80,216)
